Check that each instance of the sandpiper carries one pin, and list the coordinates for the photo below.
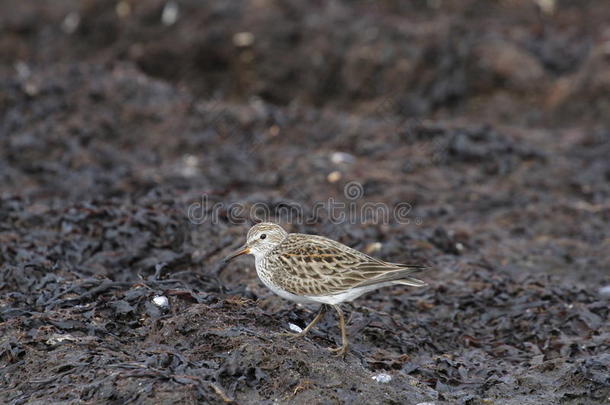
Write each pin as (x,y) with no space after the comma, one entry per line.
(314,269)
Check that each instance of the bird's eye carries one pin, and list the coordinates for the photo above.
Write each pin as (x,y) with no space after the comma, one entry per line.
(263,236)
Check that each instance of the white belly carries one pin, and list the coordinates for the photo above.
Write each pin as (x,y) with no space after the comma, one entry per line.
(346,296)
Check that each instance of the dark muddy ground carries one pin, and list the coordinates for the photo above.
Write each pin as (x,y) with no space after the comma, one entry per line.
(490,119)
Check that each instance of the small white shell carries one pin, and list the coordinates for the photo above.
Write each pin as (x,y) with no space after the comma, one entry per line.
(161,301)
(382,378)
(295,328)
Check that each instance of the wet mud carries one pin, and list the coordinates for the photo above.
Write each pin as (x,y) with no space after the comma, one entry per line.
(137,138)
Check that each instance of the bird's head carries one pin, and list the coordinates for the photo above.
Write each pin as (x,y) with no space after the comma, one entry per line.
(262,238)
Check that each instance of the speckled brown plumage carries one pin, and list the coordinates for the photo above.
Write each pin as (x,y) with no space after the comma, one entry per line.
(311,265)
(315,269)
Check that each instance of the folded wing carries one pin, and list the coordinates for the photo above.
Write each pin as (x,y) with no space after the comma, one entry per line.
(320,266)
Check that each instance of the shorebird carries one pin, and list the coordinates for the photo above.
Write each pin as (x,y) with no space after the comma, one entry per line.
(314,269)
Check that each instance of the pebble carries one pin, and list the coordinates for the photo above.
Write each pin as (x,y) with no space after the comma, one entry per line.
(605,291)
(70,22)
(189,166)
(373,247)
(169,15)
(243,39)
(342,157)
(57,338)
(334,177)
(382,378)
(123,9)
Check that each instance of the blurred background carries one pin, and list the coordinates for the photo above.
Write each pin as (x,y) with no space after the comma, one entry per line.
(490,119)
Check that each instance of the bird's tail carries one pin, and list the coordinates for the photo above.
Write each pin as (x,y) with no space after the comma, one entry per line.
(411,281)
(400,275)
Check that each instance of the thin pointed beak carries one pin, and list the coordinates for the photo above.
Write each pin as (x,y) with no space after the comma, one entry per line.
(244,250)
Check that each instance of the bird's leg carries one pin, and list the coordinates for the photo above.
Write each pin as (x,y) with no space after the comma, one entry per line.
(311,324)
(341,351)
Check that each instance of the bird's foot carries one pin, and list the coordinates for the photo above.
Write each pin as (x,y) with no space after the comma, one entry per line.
(291,335)
(340,351)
